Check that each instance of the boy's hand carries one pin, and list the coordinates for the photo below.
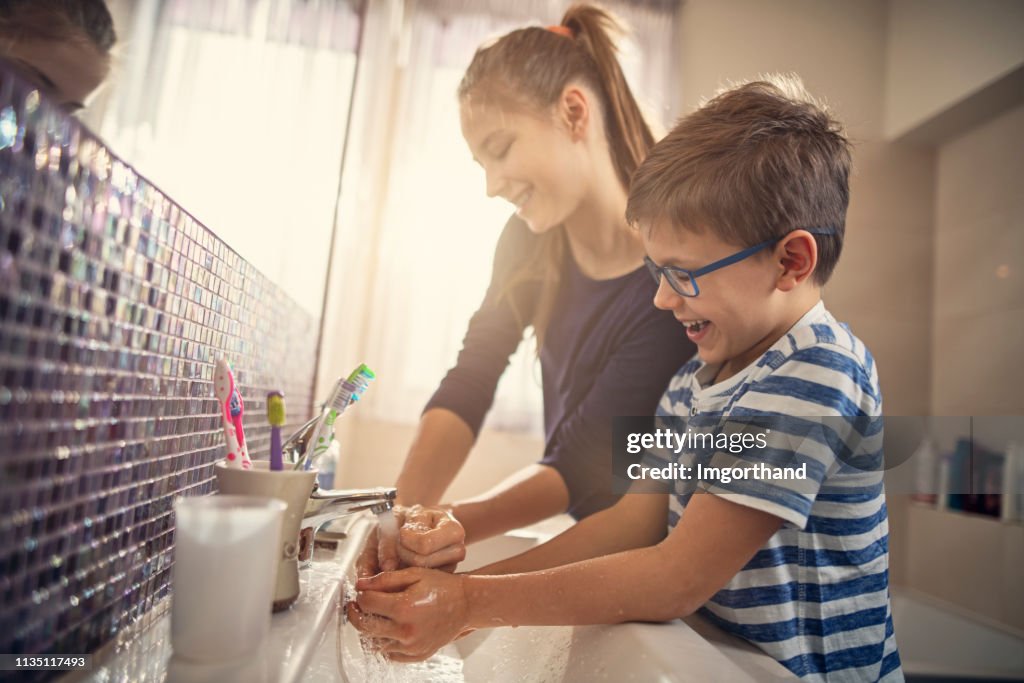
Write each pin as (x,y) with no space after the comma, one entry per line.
(411,613)
(431,537)
(377,555)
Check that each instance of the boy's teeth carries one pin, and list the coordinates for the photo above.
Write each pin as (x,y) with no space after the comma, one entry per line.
(696,325)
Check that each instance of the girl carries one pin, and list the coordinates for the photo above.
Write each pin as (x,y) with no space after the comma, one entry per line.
(548,115)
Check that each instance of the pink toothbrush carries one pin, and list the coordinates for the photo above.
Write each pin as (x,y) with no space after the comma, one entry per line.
(231,411)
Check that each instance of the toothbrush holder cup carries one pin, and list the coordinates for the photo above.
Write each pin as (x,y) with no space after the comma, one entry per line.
(294,488)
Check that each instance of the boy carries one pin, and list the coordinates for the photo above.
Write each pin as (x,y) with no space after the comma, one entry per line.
(742,208)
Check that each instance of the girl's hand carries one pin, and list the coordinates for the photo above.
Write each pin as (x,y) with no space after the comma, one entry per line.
(411,613)
(431,537)
(427,537)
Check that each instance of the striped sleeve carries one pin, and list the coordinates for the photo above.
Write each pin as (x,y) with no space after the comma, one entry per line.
(814,388)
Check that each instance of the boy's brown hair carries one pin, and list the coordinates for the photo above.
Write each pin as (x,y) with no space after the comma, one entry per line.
(753,164)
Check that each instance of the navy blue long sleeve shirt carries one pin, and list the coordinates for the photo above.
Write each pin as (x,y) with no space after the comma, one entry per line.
(607,352)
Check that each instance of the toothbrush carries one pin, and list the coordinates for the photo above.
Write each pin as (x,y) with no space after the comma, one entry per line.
(345,392)
(323,434)
(231,411)
(275,416)
(361,377)
(237,409)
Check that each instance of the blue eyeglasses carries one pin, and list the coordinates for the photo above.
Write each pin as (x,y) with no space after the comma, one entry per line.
(684,282)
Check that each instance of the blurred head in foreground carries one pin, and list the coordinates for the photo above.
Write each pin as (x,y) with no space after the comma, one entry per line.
(60,46)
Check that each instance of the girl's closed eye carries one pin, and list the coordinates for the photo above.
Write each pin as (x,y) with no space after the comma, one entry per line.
(500,156)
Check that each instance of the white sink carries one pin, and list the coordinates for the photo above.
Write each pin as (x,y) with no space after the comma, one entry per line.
(311,642)
(672,651)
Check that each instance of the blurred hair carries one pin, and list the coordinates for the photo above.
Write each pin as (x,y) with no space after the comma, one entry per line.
(754,163)
(58,20)
(531,67)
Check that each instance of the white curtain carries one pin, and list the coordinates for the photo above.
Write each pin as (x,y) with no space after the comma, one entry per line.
(417,234)
(237,110)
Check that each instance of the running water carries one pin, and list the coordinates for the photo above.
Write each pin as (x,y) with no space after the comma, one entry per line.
(388,526)
(358,662)
(388,532)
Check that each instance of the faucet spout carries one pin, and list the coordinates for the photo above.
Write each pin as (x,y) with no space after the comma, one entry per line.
(327,505)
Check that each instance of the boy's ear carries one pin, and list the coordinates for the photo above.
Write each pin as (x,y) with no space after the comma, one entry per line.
(797,257)
(574,111)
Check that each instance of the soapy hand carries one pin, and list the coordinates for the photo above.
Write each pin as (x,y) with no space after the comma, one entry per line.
(431,537)
(411,613)
(426,537)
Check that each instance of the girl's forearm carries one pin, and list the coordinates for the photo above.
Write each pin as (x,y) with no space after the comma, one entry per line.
(636,585)
(442,443)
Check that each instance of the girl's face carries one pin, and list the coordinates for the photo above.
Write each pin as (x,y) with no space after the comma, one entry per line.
(531,159)
(67,71)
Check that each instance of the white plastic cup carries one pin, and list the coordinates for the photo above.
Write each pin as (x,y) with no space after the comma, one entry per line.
(225,560)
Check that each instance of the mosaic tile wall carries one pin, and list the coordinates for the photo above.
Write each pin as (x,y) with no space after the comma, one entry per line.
(114,304)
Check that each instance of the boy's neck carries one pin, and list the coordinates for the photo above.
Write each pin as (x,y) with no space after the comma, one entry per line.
(797,305)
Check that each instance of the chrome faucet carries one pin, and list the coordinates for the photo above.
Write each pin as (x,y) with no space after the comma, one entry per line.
(326,505)
(295,445)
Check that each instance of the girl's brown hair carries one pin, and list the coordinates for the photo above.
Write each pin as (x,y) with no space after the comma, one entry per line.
(531,67)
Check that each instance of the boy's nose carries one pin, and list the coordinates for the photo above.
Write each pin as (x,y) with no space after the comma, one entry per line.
(666,298)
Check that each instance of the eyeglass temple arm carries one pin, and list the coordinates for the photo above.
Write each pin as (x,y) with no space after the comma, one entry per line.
(729,260)
(739,256)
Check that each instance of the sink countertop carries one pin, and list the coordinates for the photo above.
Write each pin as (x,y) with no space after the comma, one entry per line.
(144,653)
(302,644)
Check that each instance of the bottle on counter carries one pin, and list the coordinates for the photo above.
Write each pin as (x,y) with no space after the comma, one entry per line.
(1013,483)
(926,472)
(328,465)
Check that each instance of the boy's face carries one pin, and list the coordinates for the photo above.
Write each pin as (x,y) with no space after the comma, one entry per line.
(736,304)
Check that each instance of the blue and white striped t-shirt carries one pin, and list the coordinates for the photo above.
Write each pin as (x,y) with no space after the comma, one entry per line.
(816,597)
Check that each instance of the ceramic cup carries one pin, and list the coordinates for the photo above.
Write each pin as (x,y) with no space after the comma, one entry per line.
(294,488)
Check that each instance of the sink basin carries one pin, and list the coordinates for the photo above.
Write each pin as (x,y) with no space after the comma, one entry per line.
(311,642)
(673,651)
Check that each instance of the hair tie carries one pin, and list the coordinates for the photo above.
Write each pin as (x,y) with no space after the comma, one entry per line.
(562,31)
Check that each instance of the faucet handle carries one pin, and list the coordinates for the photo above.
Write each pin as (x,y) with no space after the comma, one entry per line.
(358,499)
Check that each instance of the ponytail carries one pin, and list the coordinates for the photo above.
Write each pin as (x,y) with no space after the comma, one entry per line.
(629,136)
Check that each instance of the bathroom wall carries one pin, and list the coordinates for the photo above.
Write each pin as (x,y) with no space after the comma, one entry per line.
(979,270)
(949,64)
(114,303)
(978,333)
